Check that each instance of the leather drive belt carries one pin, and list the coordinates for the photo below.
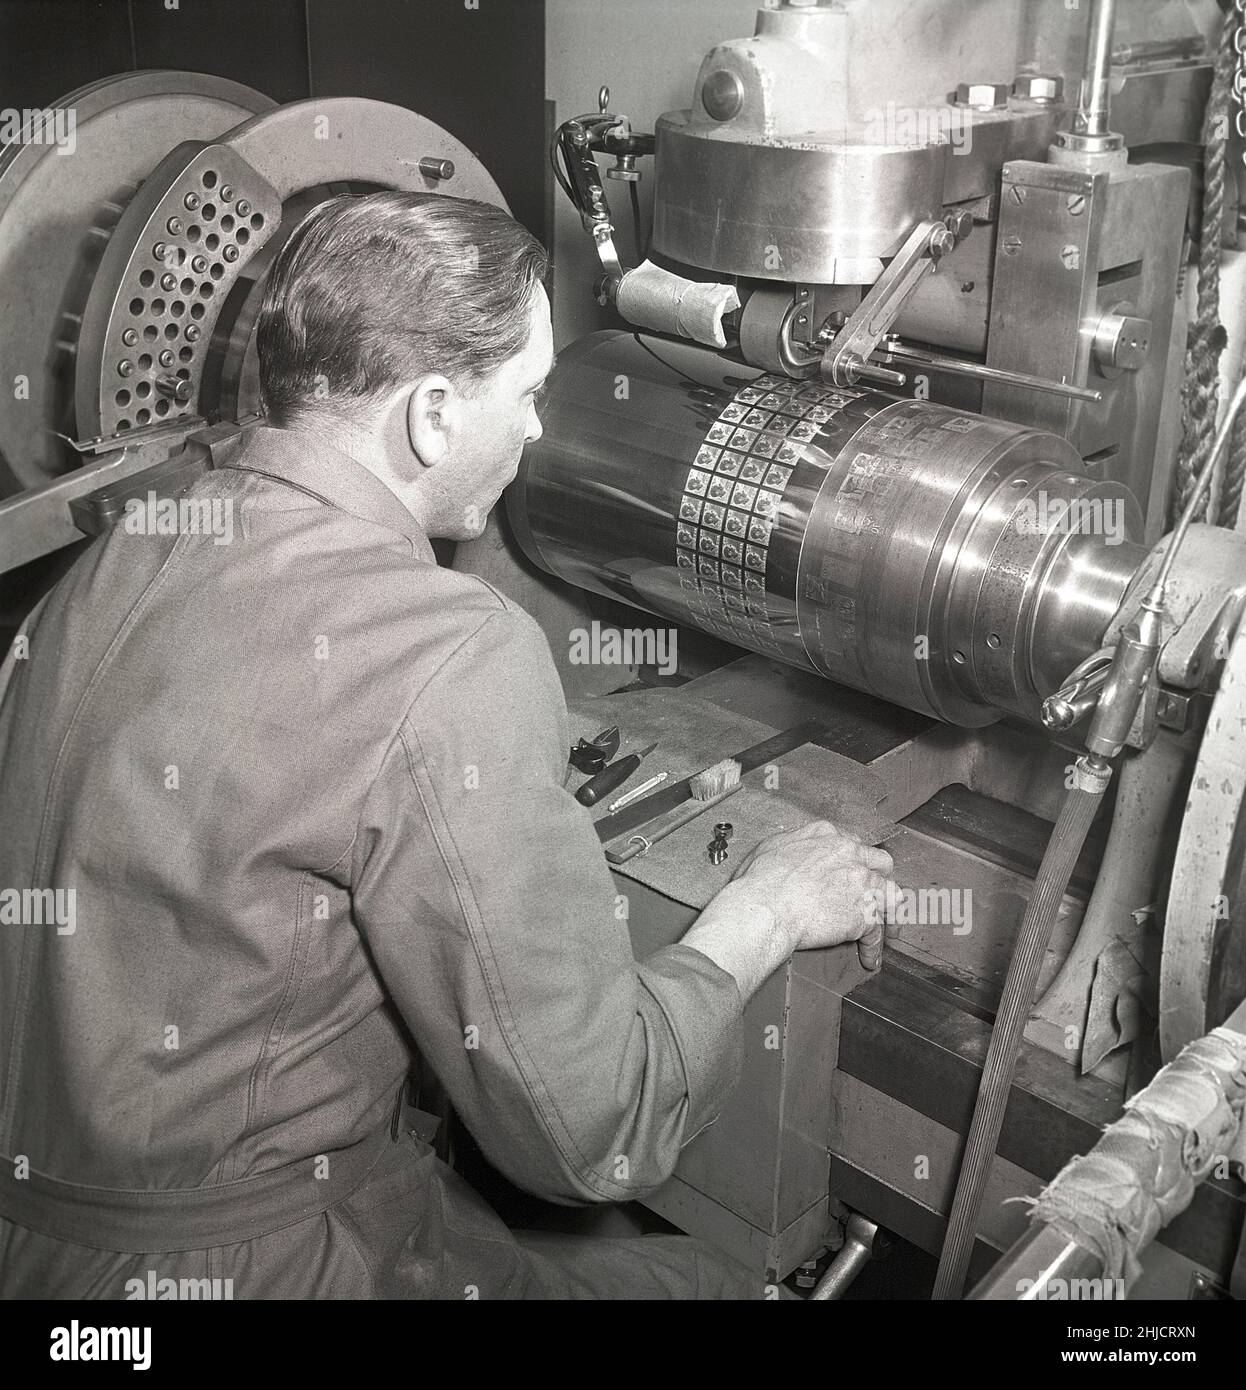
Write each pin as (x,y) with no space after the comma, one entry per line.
(163,1220)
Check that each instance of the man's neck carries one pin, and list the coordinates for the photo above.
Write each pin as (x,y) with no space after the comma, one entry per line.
(367,447)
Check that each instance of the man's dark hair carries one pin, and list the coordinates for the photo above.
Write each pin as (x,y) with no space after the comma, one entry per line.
(373,291)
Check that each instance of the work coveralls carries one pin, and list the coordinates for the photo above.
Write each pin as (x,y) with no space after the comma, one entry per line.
(306,788)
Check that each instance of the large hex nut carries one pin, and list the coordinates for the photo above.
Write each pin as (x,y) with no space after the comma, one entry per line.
(982,96)
(1038,86)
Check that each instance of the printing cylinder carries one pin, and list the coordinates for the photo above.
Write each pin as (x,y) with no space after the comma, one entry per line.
(958,565)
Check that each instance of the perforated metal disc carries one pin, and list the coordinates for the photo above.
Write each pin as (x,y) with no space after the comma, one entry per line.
(56,214)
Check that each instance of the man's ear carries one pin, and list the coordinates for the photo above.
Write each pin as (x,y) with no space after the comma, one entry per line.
(430,416)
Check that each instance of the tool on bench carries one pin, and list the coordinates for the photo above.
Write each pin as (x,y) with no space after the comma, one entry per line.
(611,777)
(706,789)
(591,755)
(637,792)
(677,794)
(667,810)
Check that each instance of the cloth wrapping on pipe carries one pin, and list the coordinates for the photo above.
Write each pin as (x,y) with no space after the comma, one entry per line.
(651,297)
(1142,1173)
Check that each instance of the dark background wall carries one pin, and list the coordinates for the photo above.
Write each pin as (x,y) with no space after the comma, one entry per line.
(479,72)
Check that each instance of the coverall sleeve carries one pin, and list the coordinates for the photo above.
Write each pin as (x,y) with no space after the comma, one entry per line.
(480,886)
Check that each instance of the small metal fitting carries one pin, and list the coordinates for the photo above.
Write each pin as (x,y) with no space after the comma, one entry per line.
(724,830)
(175,388)
(440,169)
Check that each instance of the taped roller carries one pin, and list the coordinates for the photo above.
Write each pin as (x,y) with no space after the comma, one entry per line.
(651,297)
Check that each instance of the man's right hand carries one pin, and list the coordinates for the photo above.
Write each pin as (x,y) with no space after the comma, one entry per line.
(824,886)
(799,889)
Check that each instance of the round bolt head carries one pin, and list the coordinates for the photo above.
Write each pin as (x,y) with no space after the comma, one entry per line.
(191,201)
(244,208)
(193,332)
(125,367)
(982,96)
(168,281)
(174,226)
(166,358)
(199,264)
(129,337)
(230,253)
(959,223)
(227,193)
(722,94)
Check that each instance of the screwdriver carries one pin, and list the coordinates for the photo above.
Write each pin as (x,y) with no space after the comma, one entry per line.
(605,781)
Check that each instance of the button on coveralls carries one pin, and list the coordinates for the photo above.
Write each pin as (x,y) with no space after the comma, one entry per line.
(281,795)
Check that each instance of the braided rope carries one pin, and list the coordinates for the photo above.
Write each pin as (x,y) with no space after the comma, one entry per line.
(1235,474)
(1200,395)
(1235,469)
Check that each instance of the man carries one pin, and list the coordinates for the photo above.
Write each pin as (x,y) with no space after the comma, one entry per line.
(302,792)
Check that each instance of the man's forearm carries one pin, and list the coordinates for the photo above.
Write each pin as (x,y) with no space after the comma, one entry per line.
(741,936)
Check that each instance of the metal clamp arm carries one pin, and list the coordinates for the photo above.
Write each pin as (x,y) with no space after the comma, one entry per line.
(846,359)
(572,155)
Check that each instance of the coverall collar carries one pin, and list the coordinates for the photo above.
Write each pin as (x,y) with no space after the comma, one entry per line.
(305,461)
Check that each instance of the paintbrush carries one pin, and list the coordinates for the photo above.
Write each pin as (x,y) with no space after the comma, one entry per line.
(706,789)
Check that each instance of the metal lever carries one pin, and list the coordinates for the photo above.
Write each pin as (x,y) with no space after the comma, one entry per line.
(846,360)
(582,182)
(572,157)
